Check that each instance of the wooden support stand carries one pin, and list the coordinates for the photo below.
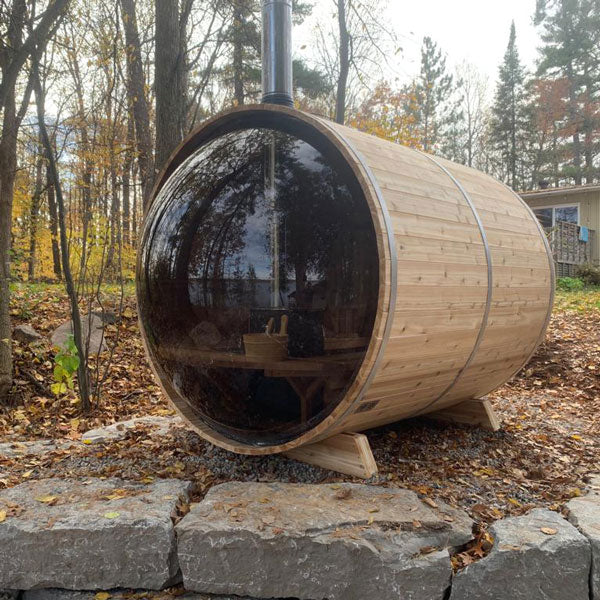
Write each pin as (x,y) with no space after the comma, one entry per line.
(348,453)
(472,412)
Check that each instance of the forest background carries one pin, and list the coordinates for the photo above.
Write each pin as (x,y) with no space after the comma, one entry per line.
(96,94)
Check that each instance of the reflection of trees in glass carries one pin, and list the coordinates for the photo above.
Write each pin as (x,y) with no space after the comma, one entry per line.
(215,225)
(208,264)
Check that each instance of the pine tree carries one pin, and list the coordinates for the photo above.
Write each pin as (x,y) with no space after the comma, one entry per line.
(571,30)
(434,90)
(509,114)
(243,38)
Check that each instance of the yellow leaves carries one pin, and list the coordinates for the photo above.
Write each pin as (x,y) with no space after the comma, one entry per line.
(27,474)
(2,516)
(117,494)
(164,412)
(430,502)
(484,472)
(48,499)
(87,441)
(111,515)
(514,502)
(578,438)
(548,530)
(102,596)
(386,114)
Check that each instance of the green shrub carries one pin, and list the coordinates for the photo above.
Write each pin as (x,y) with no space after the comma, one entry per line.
(570,284)
(589,273)
(66,363)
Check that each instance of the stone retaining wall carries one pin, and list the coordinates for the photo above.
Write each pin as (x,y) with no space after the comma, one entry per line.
(258,540)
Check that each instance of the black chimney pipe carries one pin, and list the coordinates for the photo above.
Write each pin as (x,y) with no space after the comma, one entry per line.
(277,84)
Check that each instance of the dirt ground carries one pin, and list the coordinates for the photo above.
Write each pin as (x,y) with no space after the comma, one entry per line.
(548,445)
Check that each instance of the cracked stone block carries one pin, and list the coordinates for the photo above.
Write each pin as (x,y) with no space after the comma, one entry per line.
(89,534)
(55,594)
(118,431)
(527,563)
(584,513)
(26,334)
(34,447)
(92,332)
(344,541)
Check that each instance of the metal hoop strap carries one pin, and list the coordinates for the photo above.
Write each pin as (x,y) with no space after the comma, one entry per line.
(552,277)
(488,304)
(393,265)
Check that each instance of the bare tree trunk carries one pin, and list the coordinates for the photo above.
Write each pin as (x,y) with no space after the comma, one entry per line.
(86,198)
(126,180)
(34,214)
(238,53)
(340,100)
(53,225)
(170,77)
(82,371)
(136,90)
(8,166)
(134,207)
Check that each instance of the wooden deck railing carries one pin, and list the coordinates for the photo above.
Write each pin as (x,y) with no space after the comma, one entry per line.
(568,249)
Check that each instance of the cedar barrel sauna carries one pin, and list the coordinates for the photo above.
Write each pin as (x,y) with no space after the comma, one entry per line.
(298,279)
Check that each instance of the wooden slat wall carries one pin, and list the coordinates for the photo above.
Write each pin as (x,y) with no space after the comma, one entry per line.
(443,285)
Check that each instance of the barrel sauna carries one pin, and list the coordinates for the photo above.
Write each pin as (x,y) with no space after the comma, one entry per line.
(297,279)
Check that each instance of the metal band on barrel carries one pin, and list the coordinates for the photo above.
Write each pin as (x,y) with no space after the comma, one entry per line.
(488,304)
(393,267)
(552,279)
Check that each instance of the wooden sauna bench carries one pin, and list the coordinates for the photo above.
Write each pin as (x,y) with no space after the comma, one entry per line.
(290,367)
(321,371)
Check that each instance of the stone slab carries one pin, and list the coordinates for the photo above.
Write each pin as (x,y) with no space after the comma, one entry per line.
(89,534)
(26,334)
(584,513)
(528,564)
(344,541)
(57,594)
(92,330)
(29,448)
(118,431)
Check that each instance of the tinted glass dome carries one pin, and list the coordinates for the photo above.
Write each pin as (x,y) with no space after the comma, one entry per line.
(258,281)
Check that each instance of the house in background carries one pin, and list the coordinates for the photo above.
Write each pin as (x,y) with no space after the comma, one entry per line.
(571,217)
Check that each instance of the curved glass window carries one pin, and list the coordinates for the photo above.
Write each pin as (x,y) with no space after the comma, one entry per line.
(258,282)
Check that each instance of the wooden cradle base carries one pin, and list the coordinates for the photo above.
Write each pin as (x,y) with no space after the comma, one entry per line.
(351,454)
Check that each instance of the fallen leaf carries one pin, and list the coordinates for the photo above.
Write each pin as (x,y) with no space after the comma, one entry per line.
(343,493)
(548,530)
(430,502)
(50,500)
(111,515)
